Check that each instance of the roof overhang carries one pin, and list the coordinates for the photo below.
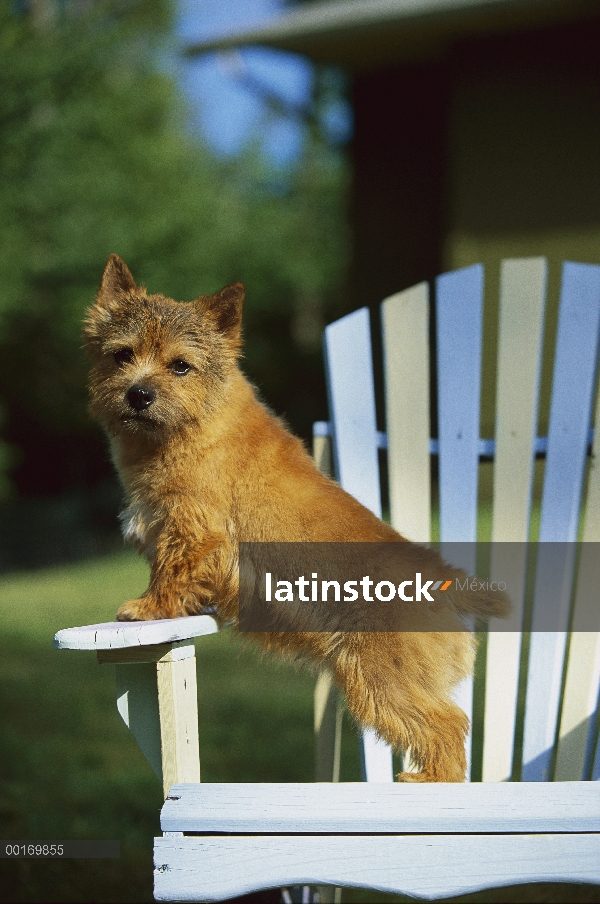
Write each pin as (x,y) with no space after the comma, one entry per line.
(367,33)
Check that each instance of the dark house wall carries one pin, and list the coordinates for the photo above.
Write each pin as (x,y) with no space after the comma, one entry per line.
(400,154)
(489,151)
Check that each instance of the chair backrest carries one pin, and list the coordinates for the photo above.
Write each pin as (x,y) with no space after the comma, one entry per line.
(553,729)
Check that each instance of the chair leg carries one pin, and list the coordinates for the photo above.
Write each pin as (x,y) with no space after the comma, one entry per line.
(178,708)
(157,700)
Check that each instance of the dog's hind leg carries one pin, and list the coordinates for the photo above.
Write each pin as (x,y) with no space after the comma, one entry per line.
(401,686)
(441,751)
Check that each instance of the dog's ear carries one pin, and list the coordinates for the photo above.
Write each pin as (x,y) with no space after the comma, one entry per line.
(116,281)
(225,307)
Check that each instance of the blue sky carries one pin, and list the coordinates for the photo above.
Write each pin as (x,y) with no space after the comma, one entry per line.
(230,114)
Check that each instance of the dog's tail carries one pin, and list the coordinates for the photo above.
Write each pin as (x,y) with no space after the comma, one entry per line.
(480,598)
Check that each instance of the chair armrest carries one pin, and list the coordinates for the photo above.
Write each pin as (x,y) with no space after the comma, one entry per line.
(118,635)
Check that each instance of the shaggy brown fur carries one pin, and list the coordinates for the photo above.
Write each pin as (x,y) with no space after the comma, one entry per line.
(205,465)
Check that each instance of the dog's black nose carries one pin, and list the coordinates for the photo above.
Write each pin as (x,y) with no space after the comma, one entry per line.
(140,397)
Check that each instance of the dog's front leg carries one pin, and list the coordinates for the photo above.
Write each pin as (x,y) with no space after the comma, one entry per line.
(188,574)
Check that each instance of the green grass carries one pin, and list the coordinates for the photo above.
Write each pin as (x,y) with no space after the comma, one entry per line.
(69,768)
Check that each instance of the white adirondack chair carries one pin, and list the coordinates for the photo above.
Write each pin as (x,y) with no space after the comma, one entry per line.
(221,840)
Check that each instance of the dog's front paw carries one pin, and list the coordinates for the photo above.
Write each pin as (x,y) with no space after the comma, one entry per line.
(139,610)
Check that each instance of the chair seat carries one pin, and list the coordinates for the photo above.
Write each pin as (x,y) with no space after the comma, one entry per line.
(350,807)
(422,840)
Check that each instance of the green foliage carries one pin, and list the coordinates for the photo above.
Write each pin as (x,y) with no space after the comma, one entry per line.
(96,157)
(83,115)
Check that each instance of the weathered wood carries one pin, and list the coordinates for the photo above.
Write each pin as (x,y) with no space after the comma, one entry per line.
(425,866)
(372,807)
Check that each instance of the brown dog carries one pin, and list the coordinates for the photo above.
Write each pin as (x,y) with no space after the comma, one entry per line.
(206,466)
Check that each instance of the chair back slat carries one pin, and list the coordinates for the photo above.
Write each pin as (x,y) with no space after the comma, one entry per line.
(405,327)
(522,298)
(350,386)
(575,752)
(572,396)
(459,322)
(570,413)
(349,366)
(459,329)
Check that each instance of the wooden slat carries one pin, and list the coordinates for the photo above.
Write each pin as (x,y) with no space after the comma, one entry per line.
(376,763)
(459,319)
(570,414)
(426,866)
(578,720)
(459,325)
(351,392)
(405,324)
(322,453)
(522,297)
(327,699)
(572,394)
(580,699)
(361,807)
(328,728)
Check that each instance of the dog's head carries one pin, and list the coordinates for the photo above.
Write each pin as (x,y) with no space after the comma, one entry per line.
(158,365)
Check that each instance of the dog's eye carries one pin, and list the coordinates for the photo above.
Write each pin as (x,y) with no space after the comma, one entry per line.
(123,356)
(179,367)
